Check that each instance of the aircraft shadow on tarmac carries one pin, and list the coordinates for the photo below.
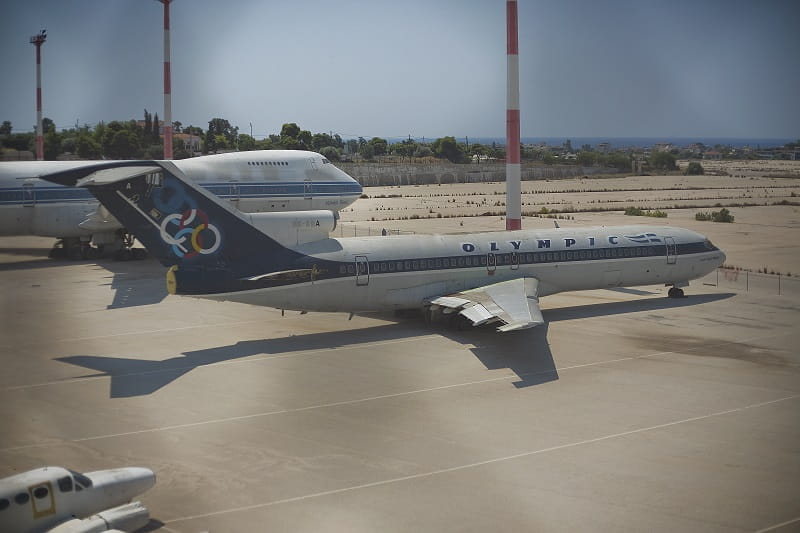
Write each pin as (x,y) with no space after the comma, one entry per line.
(526,353)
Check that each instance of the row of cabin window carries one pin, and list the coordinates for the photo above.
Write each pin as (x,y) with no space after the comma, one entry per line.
(64,485)
(501,259)
(270,163)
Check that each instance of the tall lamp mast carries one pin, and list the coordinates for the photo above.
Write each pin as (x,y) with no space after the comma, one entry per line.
(38,40)
(167,86)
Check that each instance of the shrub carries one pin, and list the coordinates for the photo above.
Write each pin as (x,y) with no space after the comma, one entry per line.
(694,169)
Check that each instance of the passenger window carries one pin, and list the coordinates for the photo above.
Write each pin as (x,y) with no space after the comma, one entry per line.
(22,498)
(40,492)
(65,484)
(351,269)
(415,265)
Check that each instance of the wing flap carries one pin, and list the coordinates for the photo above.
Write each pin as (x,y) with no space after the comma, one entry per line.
(515,303)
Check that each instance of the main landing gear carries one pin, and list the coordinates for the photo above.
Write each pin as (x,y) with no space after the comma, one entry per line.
(675,292)
(118,245)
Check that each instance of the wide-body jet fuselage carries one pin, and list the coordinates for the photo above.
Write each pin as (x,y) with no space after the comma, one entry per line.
(253,182)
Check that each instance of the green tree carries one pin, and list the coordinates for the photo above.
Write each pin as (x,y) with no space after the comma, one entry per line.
(52,144)
(5,129)
(448,148)
(662,161)
(246,143)
(148,125)
(379,145)
(220,127)
(156,136)
(331,153)
(87,147)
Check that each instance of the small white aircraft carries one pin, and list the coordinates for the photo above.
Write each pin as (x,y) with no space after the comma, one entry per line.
(253,182)
(288,260)
(59,500)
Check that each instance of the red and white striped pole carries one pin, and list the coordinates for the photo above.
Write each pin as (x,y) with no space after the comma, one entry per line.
(513,173)
(167,86)
(38,40)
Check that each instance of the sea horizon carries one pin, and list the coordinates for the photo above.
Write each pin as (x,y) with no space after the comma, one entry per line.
(628,142)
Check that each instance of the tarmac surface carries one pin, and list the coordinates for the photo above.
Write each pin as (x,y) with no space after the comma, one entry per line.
(628,411)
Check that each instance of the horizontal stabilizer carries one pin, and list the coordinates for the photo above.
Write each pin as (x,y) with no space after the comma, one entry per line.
(119,170)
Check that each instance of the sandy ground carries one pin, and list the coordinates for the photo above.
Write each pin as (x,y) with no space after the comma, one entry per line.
(764,236)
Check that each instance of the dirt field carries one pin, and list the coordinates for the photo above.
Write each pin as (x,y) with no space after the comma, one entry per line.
(763,236)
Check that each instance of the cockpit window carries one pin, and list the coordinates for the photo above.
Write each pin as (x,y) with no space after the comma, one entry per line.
(65,484)
(709,245)
(81,481)
(325,161)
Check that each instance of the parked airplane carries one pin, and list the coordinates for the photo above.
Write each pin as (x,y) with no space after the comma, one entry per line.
(288,261)
(253,182)
(58,500)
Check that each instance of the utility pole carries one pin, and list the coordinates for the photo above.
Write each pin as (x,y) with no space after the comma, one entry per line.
(38,40)
(513,170)
(167,86)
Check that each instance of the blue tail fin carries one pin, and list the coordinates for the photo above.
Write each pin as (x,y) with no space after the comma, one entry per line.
(213,246)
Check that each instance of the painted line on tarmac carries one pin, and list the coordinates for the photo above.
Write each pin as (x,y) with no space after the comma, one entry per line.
(778,526)
(483,463)
(357,400)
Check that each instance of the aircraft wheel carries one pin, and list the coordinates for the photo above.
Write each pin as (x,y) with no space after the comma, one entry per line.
(139,253)
(675,292)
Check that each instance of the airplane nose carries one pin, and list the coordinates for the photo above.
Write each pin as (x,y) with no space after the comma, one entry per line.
(724,258)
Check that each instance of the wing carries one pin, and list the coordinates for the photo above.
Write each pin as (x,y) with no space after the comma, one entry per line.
(514,302)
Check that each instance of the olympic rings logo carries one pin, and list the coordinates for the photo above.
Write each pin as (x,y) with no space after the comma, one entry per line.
(193,234)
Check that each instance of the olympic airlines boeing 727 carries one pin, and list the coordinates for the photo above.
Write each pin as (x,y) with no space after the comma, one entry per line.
(258,181)
(288,261)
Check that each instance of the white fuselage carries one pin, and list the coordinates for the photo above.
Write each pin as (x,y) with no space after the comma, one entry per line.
(253,182)
(40,499)
(384,273)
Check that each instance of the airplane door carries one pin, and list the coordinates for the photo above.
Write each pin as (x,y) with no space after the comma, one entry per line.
(362,270)
(491,263)
(28,194)
(234,193)
(42,499)
(514,261)
(308,189)
(672,250)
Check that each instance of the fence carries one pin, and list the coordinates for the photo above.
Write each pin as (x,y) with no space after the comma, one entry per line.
(345,229)
(745,281)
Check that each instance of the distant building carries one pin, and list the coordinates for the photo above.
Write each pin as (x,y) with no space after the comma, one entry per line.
(603,147)
(712,154)
(193,143)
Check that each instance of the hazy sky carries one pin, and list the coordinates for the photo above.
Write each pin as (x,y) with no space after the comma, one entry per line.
(588,68)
